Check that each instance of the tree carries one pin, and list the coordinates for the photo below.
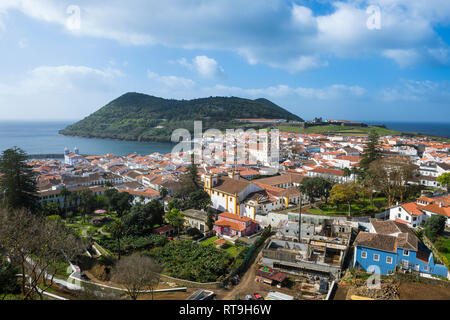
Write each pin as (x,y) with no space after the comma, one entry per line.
(120,202)
(65,193)
(50,208)
(371,152)
(391,176)
(163,191)
(190,179)
(117,231)
(345,193)
(199,200)
(109,184)
(347,172)
(308,187)
(37,246)
(137,274)
(435,226)
(141,218)
(210,218)
(176,218)
(17,180)
(74,198)
(444,180)
(315,188)
(8,279)
(87,203)
(174,203)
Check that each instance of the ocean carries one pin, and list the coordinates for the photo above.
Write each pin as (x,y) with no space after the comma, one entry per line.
(432,128)
(43,138)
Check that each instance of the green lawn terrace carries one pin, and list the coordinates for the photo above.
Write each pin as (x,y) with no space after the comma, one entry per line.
(91,225)
(357,131)
(340,130)
(360,208)
(232,249)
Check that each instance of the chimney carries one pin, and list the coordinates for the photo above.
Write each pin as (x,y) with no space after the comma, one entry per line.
(440,204)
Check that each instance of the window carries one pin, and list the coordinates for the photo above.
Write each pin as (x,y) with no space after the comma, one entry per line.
(406,253)
(425,268)
(363,254)
(376,257)
(407,218)
(399,215)
(389,260)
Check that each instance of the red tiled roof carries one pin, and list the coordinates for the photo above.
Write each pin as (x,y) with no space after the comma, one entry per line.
(328,171)
(229,215)
(435,208)
(412,207)
(232,225)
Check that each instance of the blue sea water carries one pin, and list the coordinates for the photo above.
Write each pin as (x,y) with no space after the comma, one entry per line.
(432,128)
(43,138)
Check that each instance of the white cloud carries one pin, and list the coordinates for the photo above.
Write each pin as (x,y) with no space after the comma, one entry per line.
(403,57)
(58,92)
(417,91)
(23,43)
(278,33)
(169,82)
(62,78)
(206,67)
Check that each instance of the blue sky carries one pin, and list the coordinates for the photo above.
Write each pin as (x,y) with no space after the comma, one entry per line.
(314,58)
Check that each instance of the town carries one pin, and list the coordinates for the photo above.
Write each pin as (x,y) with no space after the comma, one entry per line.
(313,223)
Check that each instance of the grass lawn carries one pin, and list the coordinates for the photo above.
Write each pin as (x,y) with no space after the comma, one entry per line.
(229,248)
(444,243)
(209,241)
(357,131)
(362,207)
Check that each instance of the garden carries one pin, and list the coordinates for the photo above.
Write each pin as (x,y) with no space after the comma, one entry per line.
(362,207)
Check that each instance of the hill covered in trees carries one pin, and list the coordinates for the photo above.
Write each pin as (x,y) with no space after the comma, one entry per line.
(141,117)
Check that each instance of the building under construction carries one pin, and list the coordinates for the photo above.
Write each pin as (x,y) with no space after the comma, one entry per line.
(318,251)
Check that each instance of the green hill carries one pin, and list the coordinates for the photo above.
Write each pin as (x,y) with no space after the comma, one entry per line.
(141,117)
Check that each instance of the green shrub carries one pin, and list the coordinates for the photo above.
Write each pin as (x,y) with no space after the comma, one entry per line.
(191,261)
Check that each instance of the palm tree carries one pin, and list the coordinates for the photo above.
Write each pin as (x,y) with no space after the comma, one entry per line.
(117,233)
(74,197)
(87,202)
(109,184)
(65,193)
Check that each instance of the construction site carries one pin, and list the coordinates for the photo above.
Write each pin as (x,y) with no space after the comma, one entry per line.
(310,255)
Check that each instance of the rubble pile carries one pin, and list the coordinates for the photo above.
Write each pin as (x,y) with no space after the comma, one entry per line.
(389,291)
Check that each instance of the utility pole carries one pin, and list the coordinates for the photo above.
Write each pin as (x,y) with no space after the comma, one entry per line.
(300,219)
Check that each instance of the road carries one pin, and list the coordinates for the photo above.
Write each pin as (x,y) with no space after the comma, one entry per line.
(248,285)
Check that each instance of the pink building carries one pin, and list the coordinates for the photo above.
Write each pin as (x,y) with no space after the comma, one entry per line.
(229,224)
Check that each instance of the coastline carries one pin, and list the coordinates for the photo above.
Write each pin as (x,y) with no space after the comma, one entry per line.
(400,133)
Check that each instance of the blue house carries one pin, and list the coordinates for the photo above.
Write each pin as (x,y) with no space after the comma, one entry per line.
(389,244)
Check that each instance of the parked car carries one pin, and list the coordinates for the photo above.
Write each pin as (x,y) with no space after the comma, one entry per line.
(257,296)
(248,297)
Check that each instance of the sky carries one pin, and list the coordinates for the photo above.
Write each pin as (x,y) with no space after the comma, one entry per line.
(372,60)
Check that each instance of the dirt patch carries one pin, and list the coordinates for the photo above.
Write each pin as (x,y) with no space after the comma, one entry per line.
(341,293)
(389,291)
(100,272)
(423,291)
